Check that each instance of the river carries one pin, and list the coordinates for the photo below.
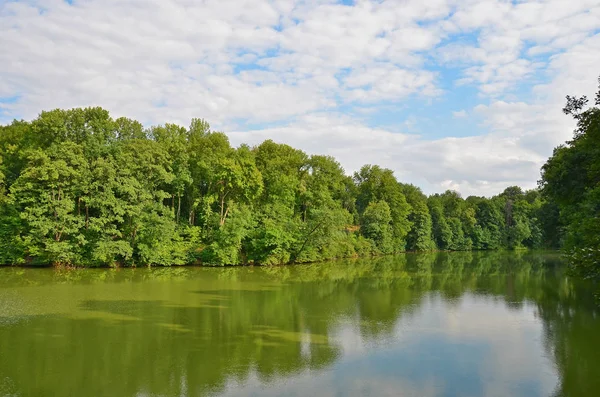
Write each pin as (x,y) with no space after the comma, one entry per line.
(444,324)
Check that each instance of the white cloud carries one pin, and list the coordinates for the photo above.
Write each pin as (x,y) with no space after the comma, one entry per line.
(498,61)
(441,164)
(384,81)
(302,64)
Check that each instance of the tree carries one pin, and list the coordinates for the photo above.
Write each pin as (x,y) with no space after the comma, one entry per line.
(376,224)
(46,194)
(142,180)
(571,179)
(441,230)
(376,184)
(490,224)
(173,139)
(420,236)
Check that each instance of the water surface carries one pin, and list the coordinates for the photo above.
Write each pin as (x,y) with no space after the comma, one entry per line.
(460,324)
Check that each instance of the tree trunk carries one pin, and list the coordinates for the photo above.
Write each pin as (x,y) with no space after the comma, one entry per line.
(225,216)
(192,217)
(173,205)
(178,207)
(58,235)
(222,220)
(297,253)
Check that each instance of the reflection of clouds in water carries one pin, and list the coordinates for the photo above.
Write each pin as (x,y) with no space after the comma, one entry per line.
(329,384)
(510,341)
(348,337)
(473,346)
(514,338)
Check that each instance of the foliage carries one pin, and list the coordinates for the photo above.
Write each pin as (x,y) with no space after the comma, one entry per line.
(79,188)
(571,182)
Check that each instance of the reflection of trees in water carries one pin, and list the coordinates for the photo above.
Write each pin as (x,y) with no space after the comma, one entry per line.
(162,347)
(274,321)
(572,335)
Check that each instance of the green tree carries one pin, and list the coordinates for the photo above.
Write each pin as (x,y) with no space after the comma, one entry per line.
(420,236)
(376,184)
(441,230)
(571,179)
(46,194)
(376,224)
(173,139)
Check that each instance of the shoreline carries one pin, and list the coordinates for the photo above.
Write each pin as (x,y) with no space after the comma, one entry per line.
(191,265)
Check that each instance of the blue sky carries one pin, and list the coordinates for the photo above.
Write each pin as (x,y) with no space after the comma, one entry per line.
(450,94)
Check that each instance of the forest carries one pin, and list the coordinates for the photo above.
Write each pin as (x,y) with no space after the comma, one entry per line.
(80,188)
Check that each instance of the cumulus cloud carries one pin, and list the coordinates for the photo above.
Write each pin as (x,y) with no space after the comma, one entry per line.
(306,66)
(481,165)
(459,114)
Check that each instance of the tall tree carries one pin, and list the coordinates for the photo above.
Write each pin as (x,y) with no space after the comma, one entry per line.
(376,184)
(571,179)
(420,236)
(46,194)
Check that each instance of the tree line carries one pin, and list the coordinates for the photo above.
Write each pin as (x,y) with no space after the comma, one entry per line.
(81,188)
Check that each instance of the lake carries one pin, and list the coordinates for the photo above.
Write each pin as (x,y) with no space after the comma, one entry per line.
(445,324)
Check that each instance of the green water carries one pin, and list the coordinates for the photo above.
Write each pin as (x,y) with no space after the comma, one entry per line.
(462,324)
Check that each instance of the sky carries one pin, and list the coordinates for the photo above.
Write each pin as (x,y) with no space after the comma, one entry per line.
(449,94)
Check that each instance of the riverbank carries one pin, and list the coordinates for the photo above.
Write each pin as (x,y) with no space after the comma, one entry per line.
(199,264)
